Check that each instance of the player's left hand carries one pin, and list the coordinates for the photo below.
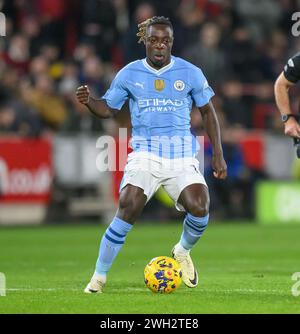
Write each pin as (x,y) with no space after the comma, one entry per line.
(292,128)
(219,167)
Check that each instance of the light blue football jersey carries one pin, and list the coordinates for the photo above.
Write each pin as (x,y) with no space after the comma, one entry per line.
(160,103)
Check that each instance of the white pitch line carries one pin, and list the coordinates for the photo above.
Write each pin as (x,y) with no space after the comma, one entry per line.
(129,289)
(66,289)
(244,291)
(41,289)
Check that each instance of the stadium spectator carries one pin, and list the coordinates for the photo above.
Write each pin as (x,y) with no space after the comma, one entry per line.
(236,110)
(41,96)
(260,17)
(38,66)
(239,60)
(190,17)
(16,118)
(132,50)
(99,26)
(93,74)
(17,54)
(207,54)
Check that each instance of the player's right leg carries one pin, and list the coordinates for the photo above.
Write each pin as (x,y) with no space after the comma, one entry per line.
(131,203)
(195,200)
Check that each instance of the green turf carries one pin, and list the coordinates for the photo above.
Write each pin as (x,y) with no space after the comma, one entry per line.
(244,268)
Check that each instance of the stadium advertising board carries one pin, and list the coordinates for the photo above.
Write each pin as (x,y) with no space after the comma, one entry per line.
(25,170)
(278,202)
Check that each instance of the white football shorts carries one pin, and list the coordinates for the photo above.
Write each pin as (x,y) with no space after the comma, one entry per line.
(148,172)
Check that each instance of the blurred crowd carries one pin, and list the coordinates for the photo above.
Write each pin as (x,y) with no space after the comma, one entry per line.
(53,46)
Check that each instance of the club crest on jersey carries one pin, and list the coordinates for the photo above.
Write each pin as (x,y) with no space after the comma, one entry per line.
(179,85)
(159,84)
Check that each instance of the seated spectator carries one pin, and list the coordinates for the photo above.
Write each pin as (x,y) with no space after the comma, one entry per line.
(93,75)
(231,198)
(17,55)
(38,66)
(237,111)
(17,119)
(42,97)
(207,54)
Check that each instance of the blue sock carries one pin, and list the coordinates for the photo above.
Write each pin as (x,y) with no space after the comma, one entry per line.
(193,227)
(111,243)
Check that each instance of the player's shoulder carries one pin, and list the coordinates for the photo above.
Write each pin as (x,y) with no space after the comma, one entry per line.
(184,64)
(124,71)
(291,69)
(294,61)
(193,73)
(134,65)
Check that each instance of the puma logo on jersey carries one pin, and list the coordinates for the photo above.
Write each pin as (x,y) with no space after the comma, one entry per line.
(291,63)
(139,85)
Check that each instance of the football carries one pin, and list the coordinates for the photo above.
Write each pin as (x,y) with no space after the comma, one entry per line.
(163,275)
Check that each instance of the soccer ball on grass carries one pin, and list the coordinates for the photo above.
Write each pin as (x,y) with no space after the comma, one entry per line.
(163,275)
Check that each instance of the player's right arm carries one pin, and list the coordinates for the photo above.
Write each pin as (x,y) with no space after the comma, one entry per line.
(284,82)
(98,107)
(112,101)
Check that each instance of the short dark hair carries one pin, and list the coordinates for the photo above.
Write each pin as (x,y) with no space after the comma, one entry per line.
(143,26)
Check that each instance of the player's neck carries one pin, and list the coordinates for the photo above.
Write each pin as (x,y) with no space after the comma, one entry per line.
(156,67)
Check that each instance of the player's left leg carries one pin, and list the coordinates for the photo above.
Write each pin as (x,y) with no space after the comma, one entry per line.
(195,200)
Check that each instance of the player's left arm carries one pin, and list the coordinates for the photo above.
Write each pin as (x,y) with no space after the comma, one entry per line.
(281,92)
(212,127)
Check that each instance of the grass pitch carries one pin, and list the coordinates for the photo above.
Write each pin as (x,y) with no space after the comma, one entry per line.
(243,268)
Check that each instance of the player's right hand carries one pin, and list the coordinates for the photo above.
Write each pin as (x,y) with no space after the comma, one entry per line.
(83,94)
(292,128)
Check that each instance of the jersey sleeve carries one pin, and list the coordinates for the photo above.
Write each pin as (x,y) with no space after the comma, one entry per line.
(117,93)
(292,69)
(201,91)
